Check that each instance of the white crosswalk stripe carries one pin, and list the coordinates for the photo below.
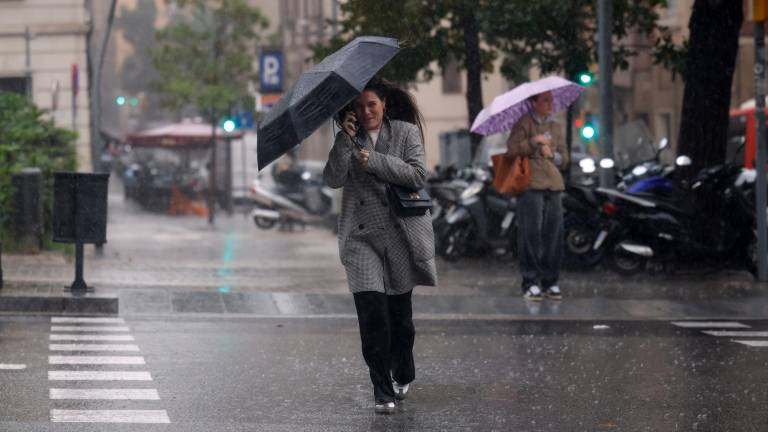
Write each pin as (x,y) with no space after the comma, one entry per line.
(92,347)
(96,360)
(109,416)
(66,375)
(79,327)
(90,328)
(79,337)
(12,366)
(753,343)
(731,333)
(733,330)
(89,320)
(104,394)
(709,324)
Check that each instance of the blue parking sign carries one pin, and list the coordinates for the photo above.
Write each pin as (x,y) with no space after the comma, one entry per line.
(271,71)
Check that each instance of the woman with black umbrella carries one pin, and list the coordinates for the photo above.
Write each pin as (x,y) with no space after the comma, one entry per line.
(385,256)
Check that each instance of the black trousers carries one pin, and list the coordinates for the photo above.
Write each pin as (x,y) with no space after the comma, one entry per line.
(387,335)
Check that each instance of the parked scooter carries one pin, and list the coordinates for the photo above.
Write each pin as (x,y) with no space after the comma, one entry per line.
(585,227)
(709,224)
(301,199)
(482,221)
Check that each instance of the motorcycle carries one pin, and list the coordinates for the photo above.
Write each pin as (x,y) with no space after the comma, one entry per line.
(294,199)
(585,227)
(710,223)
(481,221)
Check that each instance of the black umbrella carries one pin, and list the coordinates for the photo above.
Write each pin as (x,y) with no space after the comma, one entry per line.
(319,93)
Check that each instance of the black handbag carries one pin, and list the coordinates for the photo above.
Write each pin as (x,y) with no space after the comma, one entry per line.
(407,202)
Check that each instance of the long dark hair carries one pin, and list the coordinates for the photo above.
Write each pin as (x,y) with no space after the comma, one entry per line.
(399,104)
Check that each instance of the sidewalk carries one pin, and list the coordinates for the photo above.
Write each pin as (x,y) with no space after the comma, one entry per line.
(159,264)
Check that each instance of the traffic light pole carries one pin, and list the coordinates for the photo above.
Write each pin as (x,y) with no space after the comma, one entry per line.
(605,24)
(760,145)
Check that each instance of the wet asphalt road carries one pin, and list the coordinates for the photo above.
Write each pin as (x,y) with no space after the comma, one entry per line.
(295,374)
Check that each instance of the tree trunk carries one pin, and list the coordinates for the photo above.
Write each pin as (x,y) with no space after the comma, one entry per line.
(714,29)
(473,67)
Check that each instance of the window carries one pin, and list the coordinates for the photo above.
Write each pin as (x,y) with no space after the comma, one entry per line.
(14,85)
(452,78)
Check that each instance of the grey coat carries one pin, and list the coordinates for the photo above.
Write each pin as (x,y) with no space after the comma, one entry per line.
(365,213)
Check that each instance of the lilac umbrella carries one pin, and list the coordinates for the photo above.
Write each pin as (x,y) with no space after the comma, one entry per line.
(506,109)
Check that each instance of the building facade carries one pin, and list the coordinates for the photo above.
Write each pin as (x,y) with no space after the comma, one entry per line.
(44,55)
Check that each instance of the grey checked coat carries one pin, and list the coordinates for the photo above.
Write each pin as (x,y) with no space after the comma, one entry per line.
(365,213)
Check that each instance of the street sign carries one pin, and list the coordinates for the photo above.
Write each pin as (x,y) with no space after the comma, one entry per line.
(246,119)
(271,71)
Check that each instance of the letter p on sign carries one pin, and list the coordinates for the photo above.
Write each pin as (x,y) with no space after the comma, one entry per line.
(271,72)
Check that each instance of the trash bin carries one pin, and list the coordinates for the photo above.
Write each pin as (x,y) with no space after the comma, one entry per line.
(80,214)
(28,208)
(80,207)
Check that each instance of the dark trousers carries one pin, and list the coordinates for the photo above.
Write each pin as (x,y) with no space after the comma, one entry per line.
(387,335)
(540,237)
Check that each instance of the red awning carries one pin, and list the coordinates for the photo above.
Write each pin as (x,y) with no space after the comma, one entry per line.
(179,135)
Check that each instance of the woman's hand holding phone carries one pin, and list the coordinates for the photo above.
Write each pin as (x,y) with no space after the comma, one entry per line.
(350,123)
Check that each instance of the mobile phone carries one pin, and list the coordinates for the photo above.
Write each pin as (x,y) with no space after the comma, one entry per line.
(350,107)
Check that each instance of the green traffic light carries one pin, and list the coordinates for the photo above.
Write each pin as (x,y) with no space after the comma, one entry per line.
(588,132)
(585,78)
(134,102)
(229,126)
(120,100)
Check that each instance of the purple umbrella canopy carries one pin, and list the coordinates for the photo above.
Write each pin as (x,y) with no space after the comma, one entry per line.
(508,108)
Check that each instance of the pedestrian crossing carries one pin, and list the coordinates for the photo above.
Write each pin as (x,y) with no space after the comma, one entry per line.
(88,363)
(728,329)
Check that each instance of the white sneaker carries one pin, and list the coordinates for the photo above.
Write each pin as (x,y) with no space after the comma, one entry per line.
(401,390)
(553,293)
(533,293)
(384,407)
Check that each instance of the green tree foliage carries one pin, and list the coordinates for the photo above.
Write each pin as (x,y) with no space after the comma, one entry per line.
(430,32)
(205,58)
(561,36)
(28,139)
(138,29)
(555,35)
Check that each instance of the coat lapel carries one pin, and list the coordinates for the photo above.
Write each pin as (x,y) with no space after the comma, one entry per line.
(385,137)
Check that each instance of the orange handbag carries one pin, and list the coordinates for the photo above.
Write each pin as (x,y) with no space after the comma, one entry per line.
(511,175)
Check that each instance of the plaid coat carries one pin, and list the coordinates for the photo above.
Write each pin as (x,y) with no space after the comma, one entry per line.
(365,213)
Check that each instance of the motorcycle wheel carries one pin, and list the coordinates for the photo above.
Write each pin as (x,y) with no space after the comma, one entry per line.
(264,223)
(579,239)
(625,263)
(453,244)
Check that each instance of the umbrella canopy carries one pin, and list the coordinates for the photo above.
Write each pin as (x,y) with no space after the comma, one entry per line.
(506,109)
(319,93)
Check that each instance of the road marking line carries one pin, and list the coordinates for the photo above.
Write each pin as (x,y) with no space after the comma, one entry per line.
(758,344)
(62,320)
(109,416)
(78,337)
(91,328)
(65,375)
(92,347)
(104,394)
(97,360)
(12,366)
(709,324)
(728,333)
